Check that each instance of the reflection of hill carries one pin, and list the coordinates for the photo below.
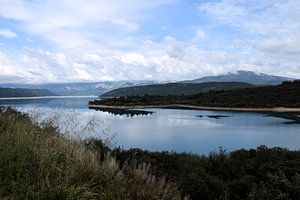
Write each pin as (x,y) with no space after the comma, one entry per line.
(293,116)
(65,102)
(25,101)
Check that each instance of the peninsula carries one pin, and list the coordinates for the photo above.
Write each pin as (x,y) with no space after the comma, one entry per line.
(281,98)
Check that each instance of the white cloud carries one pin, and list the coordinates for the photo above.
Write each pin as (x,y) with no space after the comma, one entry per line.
(130,26)
(76,24)
(7,33)
(101,40)
(165,60)
(200,34)
(286,45)
(265,18)
(270,30)
(173,48)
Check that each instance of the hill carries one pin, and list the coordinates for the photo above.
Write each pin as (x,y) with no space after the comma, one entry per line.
(79,88)
(243,76)
(21,92)
(175,89)
(285,95)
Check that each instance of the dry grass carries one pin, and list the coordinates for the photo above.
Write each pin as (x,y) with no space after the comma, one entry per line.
(37,162)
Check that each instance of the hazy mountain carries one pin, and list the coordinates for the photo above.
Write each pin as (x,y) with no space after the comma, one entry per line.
(175,89)
(21,92)
(243,76)
(80,88)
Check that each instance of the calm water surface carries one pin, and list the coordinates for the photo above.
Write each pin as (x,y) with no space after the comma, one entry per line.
(179,130)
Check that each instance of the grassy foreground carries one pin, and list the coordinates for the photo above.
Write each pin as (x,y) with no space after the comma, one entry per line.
(36,162)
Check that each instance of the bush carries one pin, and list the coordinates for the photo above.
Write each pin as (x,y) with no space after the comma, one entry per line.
(260,173)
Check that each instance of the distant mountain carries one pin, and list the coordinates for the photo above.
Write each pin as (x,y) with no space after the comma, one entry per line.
(175,89)
(21,92)
(80,88)
(243,76)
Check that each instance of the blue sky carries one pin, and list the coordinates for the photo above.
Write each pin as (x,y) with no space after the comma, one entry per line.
(100,40)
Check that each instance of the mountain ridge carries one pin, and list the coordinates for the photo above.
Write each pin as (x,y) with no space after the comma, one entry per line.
(79,88)
(175,89)
(23,92)
(245,76)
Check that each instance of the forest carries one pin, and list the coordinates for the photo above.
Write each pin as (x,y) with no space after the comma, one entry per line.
(175,89)
(286,94)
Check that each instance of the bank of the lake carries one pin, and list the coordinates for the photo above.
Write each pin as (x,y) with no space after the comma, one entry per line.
(182,106)
(281,98)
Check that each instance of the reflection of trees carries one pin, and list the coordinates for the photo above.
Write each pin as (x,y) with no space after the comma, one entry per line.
(128,113)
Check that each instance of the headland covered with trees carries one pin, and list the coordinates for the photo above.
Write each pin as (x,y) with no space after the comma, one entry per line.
(286,95)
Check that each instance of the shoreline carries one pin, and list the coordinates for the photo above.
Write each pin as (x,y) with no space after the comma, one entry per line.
(180,106)
(46,97)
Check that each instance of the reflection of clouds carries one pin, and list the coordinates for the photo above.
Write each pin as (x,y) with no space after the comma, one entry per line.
(74,103)
(179,130)
(161,127)
(76,123)
(173,121)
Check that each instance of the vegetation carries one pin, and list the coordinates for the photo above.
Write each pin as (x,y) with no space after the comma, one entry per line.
(256,174)
(37,162)
(175,89)
(285,95)
(21,92)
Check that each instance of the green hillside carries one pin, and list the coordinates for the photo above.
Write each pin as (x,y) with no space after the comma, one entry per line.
(286,95)
(21,92)
(175,89)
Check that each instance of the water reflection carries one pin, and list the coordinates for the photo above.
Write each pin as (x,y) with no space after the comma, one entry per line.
(128,113)
(181,130)
(66,102)
(213,116)
(293,117)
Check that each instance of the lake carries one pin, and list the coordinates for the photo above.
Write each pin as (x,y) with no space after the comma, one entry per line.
(193,131)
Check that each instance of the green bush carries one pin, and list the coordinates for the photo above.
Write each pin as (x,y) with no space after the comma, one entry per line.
(262,173)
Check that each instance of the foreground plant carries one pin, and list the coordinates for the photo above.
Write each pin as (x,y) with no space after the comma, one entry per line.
(37,162)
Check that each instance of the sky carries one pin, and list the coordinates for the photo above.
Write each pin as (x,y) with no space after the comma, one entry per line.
(99,40)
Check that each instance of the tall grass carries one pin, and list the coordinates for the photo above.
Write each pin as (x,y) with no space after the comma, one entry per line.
(37,162)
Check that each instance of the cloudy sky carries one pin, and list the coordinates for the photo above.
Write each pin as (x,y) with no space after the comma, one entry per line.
(100,40)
